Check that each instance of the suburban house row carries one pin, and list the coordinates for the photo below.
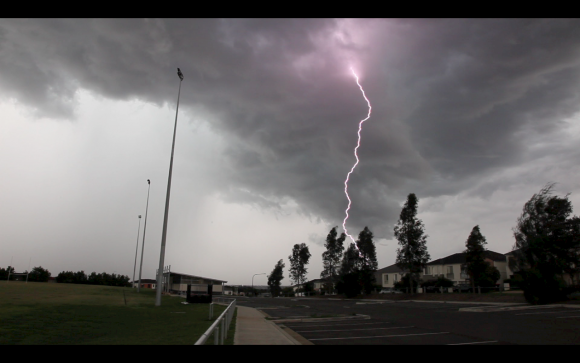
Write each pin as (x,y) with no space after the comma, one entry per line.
(449,267)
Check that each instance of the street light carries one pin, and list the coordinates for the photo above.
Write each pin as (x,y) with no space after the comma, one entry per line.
(164,235)
(136,248)
(253,280)
(144,230)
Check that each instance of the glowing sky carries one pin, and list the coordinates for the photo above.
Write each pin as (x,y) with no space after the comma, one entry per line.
(471,115)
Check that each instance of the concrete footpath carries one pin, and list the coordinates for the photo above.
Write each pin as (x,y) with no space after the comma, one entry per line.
(252,328)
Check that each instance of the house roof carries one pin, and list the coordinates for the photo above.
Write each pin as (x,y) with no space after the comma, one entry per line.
(198,277)
(390,269)
(457,258)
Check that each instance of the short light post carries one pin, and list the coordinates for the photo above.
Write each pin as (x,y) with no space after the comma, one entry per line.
(164,235)
(136,249)
(263,273)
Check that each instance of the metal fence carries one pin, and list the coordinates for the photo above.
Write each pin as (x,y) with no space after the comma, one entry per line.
(221,325)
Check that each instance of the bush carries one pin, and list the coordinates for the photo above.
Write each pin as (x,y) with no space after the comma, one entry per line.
(540,289)
(440,281)
(349,285)
(404,284)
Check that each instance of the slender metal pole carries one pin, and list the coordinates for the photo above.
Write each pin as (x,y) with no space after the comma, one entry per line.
(144,230)
(253,282)
(136,248)
(164,235)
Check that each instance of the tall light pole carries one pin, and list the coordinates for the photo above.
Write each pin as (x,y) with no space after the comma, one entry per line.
(136,248)
(144,230)
(164,235)
(263,273)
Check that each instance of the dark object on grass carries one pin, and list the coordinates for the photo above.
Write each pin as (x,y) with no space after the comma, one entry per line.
(199,295)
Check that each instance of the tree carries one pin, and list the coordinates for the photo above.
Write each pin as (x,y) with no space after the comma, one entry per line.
(348,280)
(298,261)
(547,245)
(410,232)
(331,258)
(367,259)
(4,272)
(358,266)
(475,264)
(275,277)
(39,274)
(350,260)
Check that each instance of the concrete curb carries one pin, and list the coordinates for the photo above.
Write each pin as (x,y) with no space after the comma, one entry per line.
(337,318)
(525,307)
(422,301)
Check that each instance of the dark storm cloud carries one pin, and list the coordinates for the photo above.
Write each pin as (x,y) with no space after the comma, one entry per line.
(449,97)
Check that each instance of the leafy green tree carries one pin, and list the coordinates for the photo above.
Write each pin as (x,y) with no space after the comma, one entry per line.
(298,261)
(405,282)
(368,259)
(412,255)
(308,289)
(350,260)
(288,291)
(488,277)
(349,284)
(547,245)
(475,264)
(39,274)
(275,278)
(4,272)
(331,258)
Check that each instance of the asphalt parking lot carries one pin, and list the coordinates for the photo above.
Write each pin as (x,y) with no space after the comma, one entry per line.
(419,323)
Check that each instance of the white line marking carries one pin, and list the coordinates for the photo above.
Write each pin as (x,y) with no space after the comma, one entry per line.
(550,312)
(491,341)
(381,336)
(300,326)
(316,331)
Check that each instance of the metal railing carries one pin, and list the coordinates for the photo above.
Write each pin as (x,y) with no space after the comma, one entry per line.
(220,327)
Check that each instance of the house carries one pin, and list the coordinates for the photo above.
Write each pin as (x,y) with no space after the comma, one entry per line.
(450,267)
(176,283)
(146,283)
(388,276)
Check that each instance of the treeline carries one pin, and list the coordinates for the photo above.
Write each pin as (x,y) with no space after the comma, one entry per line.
(547,248)
(103,278)
(37,274)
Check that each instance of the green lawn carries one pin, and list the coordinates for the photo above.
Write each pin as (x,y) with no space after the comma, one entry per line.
(47,313)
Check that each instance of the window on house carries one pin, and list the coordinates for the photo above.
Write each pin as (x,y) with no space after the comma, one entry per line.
(429,270)
(385,278)
(449,269)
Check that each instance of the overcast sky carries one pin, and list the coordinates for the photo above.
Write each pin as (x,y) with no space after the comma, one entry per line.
(474,116)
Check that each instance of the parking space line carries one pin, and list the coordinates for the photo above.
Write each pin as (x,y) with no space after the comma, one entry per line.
(380,336)
(549,312)
(300,326)
(491,341)
(316,331)
(565,317)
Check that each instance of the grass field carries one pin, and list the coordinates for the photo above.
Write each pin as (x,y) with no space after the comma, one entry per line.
(46,313)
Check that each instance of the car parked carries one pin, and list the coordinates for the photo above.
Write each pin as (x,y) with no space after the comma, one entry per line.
(462,288)
(389,290)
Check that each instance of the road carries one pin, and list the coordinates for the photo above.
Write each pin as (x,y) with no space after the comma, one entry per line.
(424,323)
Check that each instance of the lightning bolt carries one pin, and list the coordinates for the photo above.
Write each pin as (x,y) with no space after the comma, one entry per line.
(355,154)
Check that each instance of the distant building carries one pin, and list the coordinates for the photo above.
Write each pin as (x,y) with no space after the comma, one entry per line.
(176,283)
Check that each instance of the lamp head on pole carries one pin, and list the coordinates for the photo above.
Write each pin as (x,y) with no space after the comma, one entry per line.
(139,215)
(180,74)
(148,181)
